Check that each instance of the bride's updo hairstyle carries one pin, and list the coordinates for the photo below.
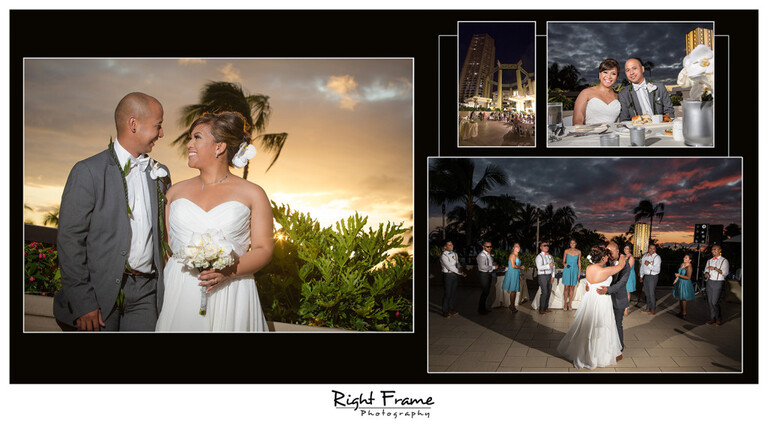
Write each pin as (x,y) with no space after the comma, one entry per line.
(228,127)
(608,64)
(598,253)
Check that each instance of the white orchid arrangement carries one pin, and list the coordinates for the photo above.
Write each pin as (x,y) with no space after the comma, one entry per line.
(699,72)
(206,250)
(245,153)
(155,170)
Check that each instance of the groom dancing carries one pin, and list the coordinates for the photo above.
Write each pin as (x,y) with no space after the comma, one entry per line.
(109,236)
(618,291)
(643,97)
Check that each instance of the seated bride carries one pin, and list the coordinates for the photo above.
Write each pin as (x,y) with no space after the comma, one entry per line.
(600,103)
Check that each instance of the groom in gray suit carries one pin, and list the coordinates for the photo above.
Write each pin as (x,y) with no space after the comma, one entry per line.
(618,292)
(110,228)
(643,97)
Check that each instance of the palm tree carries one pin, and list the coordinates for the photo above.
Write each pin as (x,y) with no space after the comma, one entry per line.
(646,209)
(227,96)
(458,179)
(52,218)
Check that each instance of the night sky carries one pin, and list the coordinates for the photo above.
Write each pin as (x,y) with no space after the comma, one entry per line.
(513,41)
(585,45)
(603,191)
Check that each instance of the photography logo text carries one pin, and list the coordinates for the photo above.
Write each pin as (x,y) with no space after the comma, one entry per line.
(384,403)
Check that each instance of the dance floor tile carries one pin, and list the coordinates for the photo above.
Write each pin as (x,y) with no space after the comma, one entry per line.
(542,352)
(437,368)
(455,350)
(525,361)
(516,352)
(636,369)
(555,362)
(666,351)
(442,360)
(683,369)
(544,369)
(437,349)
(630,352)
(654,362)
(508,369)
(702,361)
(456,341)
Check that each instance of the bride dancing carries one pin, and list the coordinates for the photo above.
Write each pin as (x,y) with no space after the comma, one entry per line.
(593,341)
(239,210)
(599,103)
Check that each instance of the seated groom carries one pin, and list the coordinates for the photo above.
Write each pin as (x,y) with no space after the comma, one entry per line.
(643,97)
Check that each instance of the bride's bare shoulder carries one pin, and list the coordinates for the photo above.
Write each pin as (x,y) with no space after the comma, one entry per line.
(253,192)
(177,189)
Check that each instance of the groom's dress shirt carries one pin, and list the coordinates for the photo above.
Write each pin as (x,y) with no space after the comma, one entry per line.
(642,94)
(140,254)
(484,262)
(654,268)
(542,263)
(449,262)
(720,263)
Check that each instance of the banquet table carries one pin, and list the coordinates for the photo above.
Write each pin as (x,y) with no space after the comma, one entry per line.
(556,297)
(501,298)
(654,137)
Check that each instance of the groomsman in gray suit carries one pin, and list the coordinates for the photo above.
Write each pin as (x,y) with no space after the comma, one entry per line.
(643,97)
(486,269)
(110,232)
(716,269)
(545,266)
(650,267)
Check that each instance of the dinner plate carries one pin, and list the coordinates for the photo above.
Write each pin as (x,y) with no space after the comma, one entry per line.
(588,128)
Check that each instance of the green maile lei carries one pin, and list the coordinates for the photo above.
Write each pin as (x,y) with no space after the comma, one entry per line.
(161,199)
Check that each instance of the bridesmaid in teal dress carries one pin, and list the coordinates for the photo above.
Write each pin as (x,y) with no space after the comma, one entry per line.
(571,272)
(631,281)
(511,282)
(683,288)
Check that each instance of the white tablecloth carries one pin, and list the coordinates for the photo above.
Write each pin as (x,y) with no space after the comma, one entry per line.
(656,138)
(499,297)
(556,297)
(467,129)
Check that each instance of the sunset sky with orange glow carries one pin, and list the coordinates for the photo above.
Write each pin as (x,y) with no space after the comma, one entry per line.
(604,190)
(349,125)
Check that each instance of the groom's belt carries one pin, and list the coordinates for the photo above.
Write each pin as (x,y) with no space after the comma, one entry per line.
(139,273)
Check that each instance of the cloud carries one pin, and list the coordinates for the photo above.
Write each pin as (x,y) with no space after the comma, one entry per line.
(399,88)
(230,73)
(343,88)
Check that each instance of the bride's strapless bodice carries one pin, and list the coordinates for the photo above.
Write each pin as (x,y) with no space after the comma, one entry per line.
(599,112)
(593,287)
(231,218)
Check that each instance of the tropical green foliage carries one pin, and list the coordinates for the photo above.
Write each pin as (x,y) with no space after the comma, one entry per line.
(337,277)
(41,269)
(558,96)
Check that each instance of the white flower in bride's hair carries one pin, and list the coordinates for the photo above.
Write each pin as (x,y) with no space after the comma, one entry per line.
(589,258)
(245,153)
(156,171)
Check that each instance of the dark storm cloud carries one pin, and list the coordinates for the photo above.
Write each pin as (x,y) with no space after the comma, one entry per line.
(585,45)
(513,41)
(603,191)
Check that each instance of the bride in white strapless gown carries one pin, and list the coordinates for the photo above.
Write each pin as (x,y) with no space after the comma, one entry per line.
(240,210)
(598,111)
(233,305)
(593,340)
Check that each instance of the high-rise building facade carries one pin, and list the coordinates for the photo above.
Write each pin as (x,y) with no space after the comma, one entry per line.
(696,37)
(477,65)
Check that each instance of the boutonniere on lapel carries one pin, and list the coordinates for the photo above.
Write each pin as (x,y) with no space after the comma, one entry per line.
(656,97)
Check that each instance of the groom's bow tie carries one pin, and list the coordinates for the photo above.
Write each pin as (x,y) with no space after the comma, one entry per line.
(142,162)
(640,86)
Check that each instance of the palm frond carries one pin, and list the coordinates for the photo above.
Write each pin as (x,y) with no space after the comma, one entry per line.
(273,142)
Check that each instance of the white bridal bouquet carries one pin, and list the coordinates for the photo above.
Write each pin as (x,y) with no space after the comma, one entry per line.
(206,250)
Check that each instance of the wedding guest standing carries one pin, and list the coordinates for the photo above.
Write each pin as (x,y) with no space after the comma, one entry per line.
(631,281)
(715,271)
(486,268)
(571,272)
(545,265)
(511,282)
(650,266)
(682,287)
(451,272)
